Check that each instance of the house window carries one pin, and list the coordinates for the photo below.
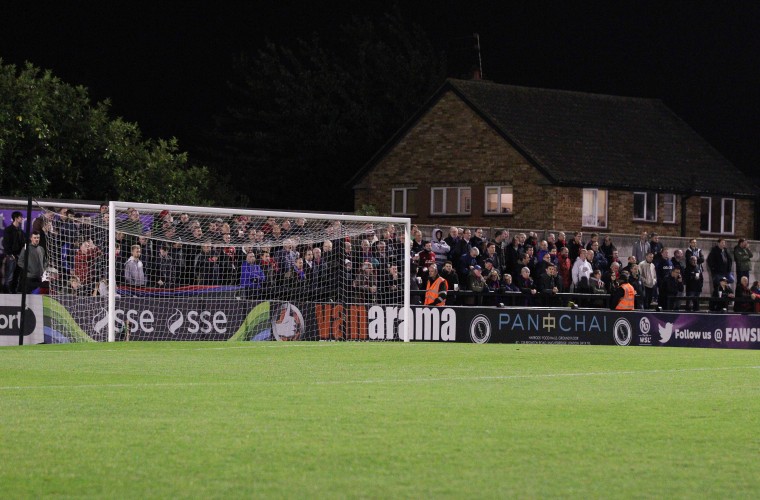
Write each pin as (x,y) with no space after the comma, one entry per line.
(499,200)
(645,206)
(717,215)
(594,208)
(669,208)
(450,200)
(404,201)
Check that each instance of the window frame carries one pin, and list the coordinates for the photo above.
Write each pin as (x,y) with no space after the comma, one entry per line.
(673,213)
(646,194)
(595,215)
(499,193)
(711,229)
(404,201)
(444,202)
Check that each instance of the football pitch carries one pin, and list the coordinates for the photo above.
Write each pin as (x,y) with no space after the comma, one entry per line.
(382,420)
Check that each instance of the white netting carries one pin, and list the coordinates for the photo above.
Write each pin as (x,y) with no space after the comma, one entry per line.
(186,273)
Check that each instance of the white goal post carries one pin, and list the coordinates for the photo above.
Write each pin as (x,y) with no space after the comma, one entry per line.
(290,261)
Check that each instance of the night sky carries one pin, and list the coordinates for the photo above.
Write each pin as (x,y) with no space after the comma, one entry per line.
(165,65)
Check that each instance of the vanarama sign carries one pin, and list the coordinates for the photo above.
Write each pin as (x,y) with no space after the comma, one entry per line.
(360,322)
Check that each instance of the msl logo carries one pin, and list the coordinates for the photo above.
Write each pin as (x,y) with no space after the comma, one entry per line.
(10,321)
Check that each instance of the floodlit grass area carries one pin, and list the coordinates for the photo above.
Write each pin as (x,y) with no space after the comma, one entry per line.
(389,420)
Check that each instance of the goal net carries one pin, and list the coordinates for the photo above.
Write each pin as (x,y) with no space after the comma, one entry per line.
(153,272)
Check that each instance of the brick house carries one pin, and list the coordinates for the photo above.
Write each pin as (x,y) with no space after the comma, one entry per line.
(485,154)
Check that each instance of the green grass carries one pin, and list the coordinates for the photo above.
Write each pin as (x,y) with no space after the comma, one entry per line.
(386,420)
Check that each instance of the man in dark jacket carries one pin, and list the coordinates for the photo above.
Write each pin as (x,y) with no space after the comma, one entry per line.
(672,286)
(720,262)
(694,280)
(13,242)
(550,284)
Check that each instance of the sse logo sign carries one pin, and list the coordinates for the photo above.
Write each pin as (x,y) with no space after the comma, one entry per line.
(197,322)
(181,322)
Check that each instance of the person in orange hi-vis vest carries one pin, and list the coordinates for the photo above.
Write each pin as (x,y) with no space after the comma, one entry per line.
(435,289)
(627,295)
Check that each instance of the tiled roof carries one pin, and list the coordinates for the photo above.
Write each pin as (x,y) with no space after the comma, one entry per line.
(582,139)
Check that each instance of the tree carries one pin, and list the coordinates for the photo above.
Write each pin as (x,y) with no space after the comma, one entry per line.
(304,119)
(55,143)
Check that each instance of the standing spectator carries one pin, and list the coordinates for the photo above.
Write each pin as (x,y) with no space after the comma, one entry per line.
(476,283)
(452,240)
(743,258)
(467,262)
(418,244)
(581,272)
(550,285)
(575,245)
(85,267)
(391,286)
(477,239)
(512,253)
(694,280)
(490,254)
(590,244)
(297,284)
(551,242)
(719,262)
(163,267)
(13,243)
(493,286)
(506,284)
(664,267)
(656,248)
(561,240)
(32,262)
(439,247)
(134,271)
(607,247)
(451,277)
(206,265)
(638,286)
(693,249)
(435,288)
(501,239)
(252,277)
(641,248)
(229,267)
(565,268)
(649,278)
(426,259)
(461,248)
(672,287)
(527,287)
(44,225)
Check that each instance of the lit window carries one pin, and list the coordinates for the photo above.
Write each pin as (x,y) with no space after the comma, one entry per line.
(499,200)
(594,208)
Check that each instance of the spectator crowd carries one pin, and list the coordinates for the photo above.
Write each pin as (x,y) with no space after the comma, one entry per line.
(284,259)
